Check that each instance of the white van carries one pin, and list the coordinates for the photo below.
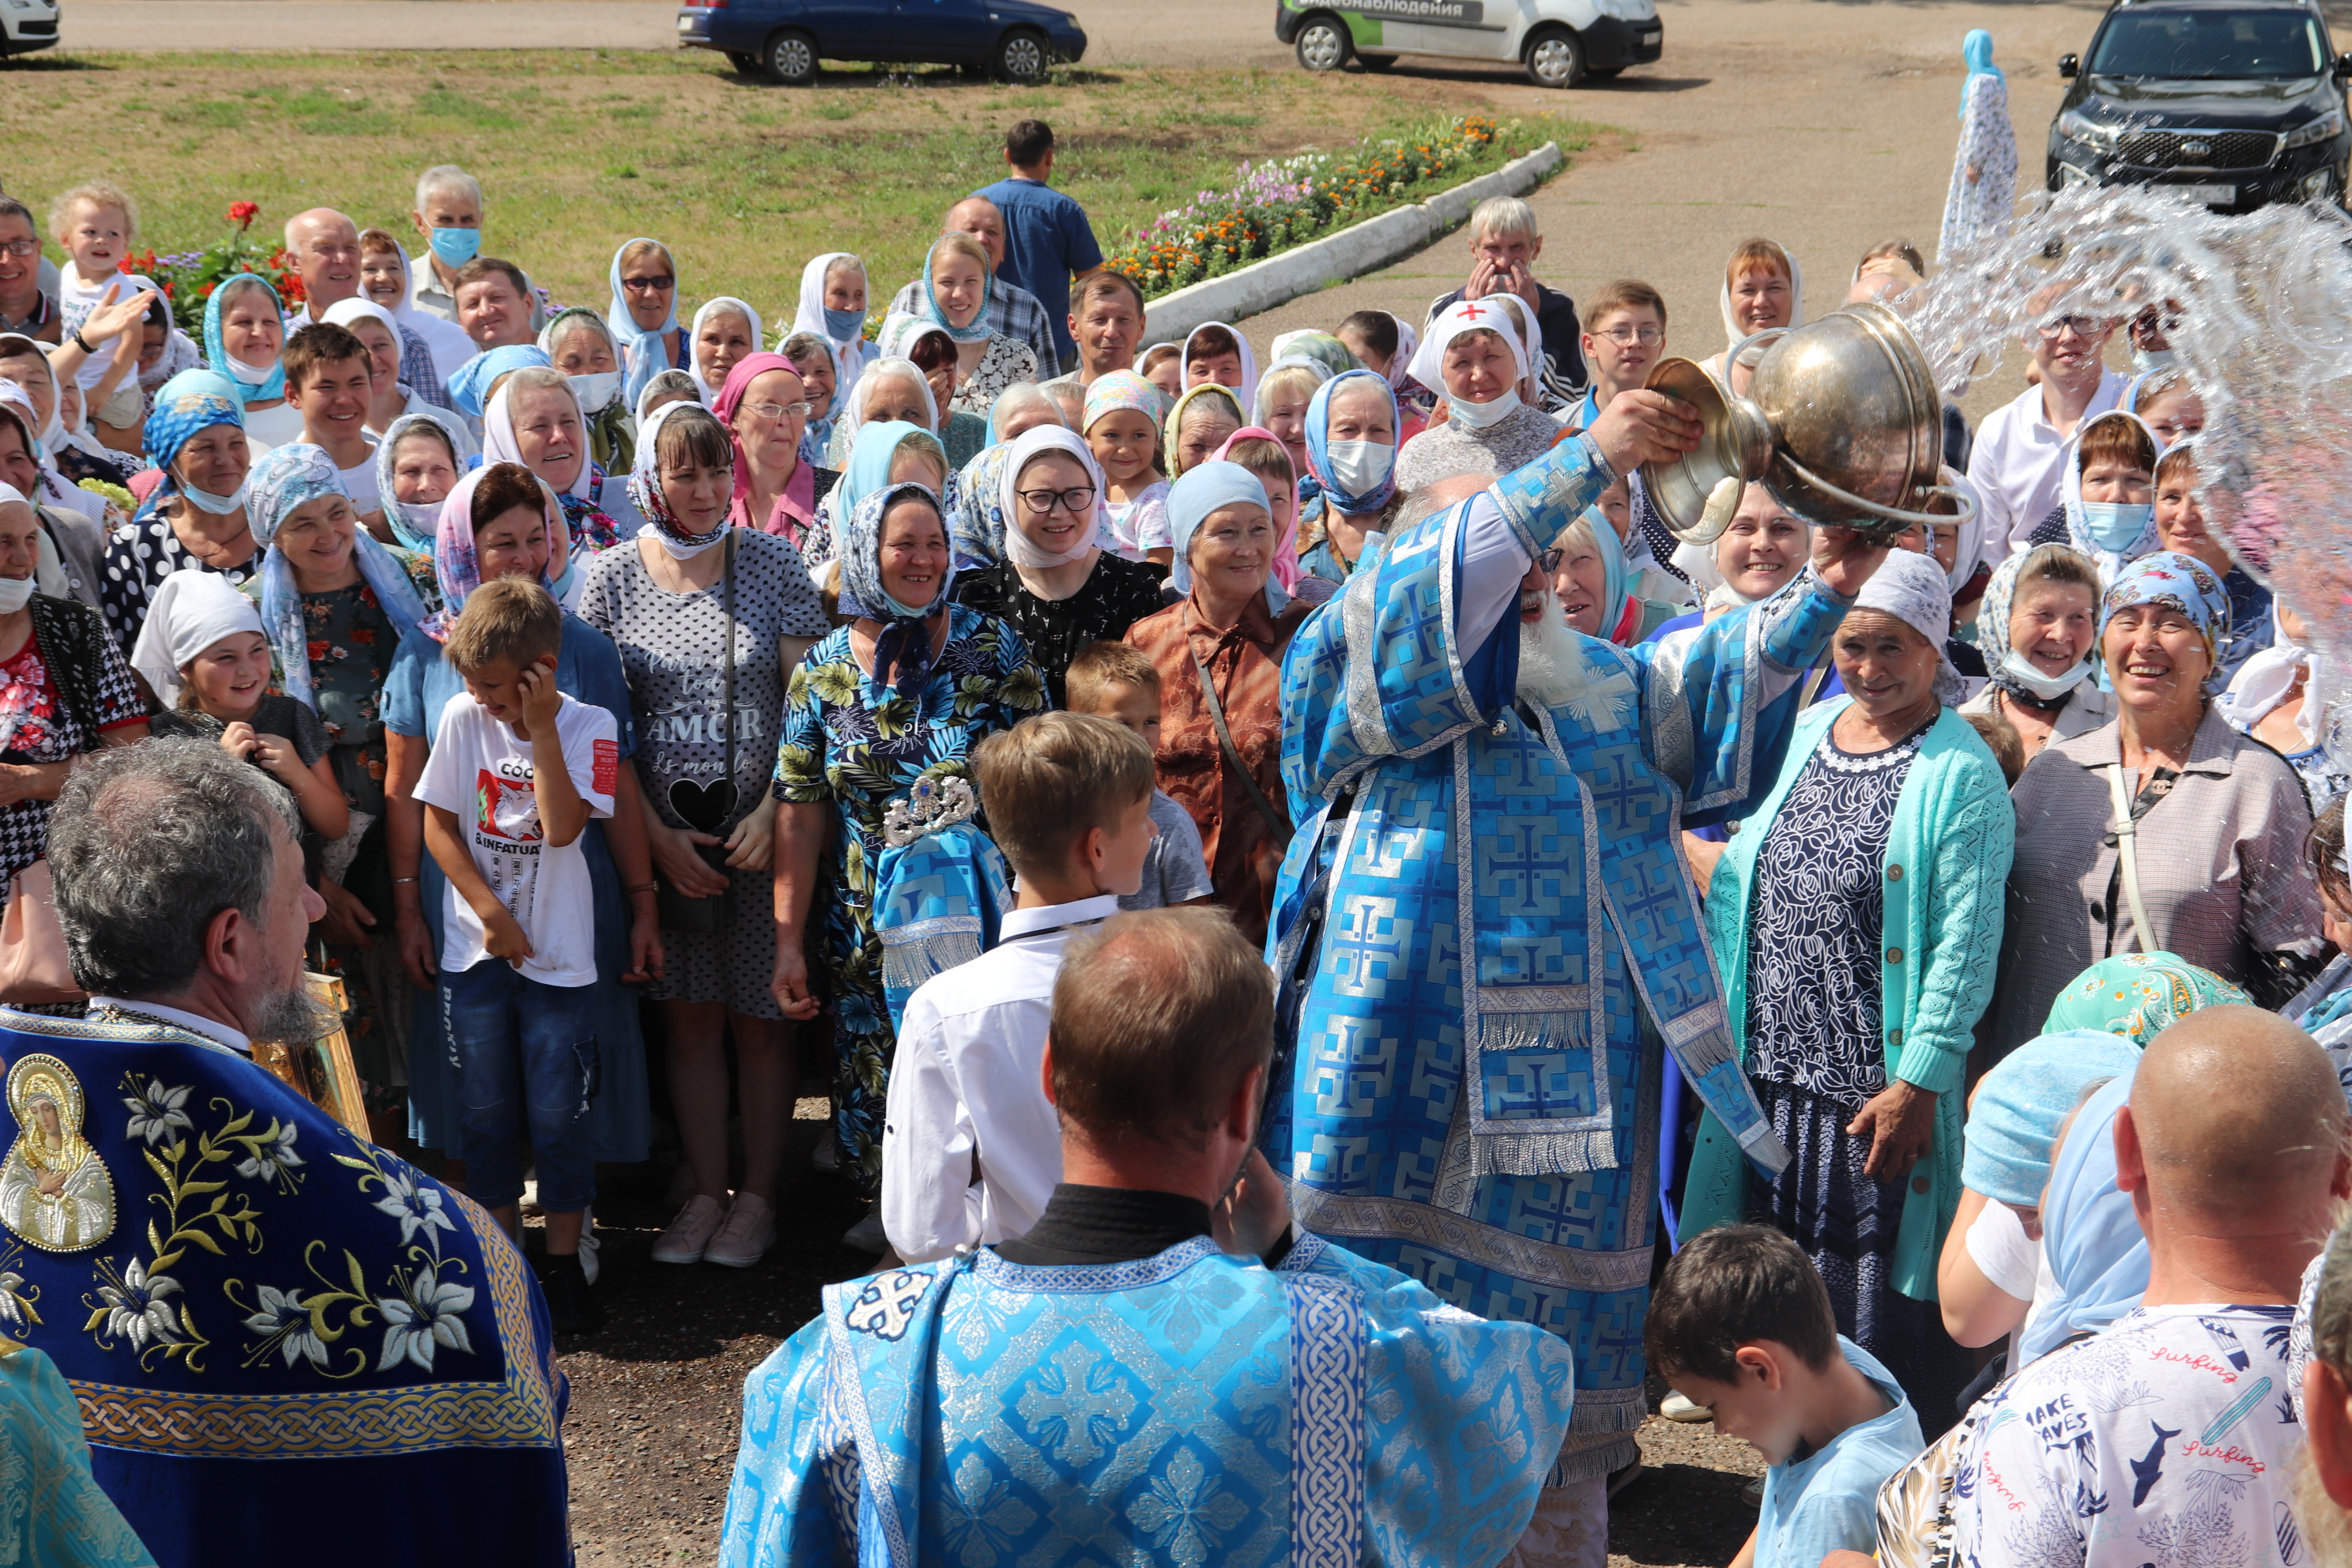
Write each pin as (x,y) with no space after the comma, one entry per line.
(1558,42)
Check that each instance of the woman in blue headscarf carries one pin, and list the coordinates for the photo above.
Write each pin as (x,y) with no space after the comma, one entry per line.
(335,605)
(1219,654)
(1353,424)
(1984,169)
(196,517)
(644,315)
(897,697)
(957,282)
(886,452)
(245,333)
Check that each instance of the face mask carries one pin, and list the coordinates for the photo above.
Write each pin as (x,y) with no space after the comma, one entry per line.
(16,593)
(1358,467)
(2116,525)
(843,325)
(2145,360)
(2017,667)
(246,374)
(681,550)
(597,392)
(221,506)
(1479,415)
(457,246)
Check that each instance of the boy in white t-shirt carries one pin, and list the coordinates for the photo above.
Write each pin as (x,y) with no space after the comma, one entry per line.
(516,771)
(94,225)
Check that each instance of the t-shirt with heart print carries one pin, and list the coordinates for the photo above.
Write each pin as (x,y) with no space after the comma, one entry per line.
(481,770)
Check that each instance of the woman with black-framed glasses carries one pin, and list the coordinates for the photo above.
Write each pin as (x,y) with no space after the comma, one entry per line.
(1056,586)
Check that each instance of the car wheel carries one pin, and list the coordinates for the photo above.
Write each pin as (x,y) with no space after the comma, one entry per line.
(1554,58)
(790,59)
(1023,57)
(1323,43)
(1376,62)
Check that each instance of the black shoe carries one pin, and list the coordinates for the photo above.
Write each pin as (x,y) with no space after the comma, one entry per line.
(570,1304)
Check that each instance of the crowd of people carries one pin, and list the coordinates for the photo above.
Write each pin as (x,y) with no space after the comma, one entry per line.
(1343,943)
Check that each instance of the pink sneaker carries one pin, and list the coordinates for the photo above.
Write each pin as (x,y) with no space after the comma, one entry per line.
(689,1234)
(744,1239)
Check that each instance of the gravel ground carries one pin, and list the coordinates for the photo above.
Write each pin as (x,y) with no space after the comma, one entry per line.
(657,1396)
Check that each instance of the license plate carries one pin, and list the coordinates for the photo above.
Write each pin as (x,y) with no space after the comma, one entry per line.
(2211,195)
(685,24)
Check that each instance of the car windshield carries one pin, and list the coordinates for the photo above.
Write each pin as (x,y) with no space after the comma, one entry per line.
(2210,44)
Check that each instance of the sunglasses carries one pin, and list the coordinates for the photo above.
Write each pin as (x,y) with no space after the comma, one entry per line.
(660,284)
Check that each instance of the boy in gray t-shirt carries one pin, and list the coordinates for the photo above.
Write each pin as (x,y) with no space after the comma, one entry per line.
(1115,681)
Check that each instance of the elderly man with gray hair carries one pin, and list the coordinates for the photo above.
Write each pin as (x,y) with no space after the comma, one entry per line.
(325,245)
(1504,246)
(448,216)
(281,1317)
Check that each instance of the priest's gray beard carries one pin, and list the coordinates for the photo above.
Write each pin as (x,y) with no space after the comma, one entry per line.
(1549,663)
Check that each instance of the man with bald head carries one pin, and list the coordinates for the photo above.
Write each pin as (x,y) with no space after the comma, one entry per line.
(2170,1437)
(1010,308)
(325,245)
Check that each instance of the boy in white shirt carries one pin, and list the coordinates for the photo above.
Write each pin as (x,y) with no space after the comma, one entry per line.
(970,1146)
(94,225)
(526,766)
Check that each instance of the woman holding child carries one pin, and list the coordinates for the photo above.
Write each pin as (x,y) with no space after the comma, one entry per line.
(899,695)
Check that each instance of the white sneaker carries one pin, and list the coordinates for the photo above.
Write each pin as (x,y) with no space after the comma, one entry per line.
(1674,1408)
(589,1265)
(868,1235)
(689,1234)
(744,1239)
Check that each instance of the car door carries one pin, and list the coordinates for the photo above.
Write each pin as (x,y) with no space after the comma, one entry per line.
(1465,29)
(948,32)
(847,30)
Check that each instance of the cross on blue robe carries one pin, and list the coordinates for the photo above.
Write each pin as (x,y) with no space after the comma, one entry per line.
(1486,1121)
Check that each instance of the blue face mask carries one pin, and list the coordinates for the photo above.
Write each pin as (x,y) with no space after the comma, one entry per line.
(457,246)
(843,325)
(2116,525)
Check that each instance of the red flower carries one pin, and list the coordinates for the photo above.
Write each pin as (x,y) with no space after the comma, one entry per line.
(316,650)
(242,214)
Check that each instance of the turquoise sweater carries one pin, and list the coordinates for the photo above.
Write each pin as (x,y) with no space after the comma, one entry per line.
(1947,853)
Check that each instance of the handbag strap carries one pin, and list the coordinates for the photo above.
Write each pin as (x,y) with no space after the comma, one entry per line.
(2127,854)
(1274,819)
(727,684)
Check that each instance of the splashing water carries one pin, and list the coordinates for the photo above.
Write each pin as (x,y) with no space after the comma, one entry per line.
(2258,310)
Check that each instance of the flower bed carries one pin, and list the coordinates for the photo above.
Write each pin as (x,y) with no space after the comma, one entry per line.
(188,277)
(1275,205)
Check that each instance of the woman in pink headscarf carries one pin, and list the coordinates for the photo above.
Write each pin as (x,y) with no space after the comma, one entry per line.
(765,408)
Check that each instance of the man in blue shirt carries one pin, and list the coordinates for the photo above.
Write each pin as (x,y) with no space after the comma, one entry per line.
(1048,242)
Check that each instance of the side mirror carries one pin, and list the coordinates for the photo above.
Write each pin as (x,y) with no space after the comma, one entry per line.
(2070,64)
(2344,68)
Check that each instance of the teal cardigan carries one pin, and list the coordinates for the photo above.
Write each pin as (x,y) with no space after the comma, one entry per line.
(1946,868)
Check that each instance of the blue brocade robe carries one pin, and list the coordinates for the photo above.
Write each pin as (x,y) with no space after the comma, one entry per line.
(288,1345)
(1183,1409)
(1555,855)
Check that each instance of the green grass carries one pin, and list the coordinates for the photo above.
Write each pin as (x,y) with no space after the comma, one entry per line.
(579,150)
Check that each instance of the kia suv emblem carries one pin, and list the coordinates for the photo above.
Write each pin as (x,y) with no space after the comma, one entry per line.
(2196,149)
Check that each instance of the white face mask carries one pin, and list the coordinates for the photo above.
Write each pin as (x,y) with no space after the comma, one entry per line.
(1479,415)
(16,593)
(2016,667)
(2146,359)
(246,374)
(1358,467)
(221,506)
(597,392)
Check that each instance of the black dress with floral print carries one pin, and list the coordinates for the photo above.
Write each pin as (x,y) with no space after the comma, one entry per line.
(857,746)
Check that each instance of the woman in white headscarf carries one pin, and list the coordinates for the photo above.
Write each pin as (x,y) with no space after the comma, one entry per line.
(1476,357)
(724,331)
(2274,698)
(962,431)
(832,304)
(1984,167)
(1763,288)
(583,348)
(1214,351)
(887,389)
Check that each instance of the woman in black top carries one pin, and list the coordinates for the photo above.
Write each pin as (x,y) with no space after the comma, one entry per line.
(1056,586)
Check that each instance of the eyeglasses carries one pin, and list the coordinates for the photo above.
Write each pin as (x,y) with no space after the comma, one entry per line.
(660,284)
(782,410)
(1549,561)
(1648,336)
(1076,499)
(2081,326)
(21,248)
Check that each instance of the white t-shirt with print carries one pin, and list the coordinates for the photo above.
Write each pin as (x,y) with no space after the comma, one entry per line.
(2169,1438)
(481,770)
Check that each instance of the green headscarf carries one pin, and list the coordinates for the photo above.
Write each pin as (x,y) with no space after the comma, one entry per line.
(2139,995)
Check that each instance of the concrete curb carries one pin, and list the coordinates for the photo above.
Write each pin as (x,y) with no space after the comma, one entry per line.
(1358,248)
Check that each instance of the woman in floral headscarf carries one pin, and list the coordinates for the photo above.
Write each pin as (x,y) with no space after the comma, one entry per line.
(899,695)
(501,521)
(2215,822)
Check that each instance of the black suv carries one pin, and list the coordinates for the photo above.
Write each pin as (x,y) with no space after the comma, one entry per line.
(2240,102)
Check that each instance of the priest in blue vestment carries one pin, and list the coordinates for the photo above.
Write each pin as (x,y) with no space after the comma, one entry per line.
(1488,938)
(287,1345)
(1162,1372)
